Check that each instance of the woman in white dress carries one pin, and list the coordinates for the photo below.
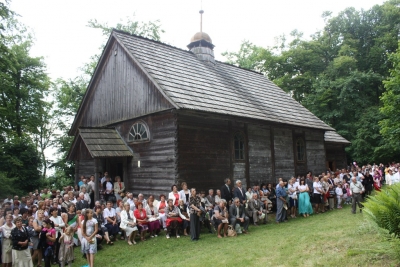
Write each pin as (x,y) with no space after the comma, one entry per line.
(6,246)
(89,231)
(128,223)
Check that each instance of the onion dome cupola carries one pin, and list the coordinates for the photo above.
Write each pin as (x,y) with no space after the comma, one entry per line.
(201,45)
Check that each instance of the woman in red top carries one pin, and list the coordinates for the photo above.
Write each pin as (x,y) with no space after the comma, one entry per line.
(161,211)
(174,195)
(141,218)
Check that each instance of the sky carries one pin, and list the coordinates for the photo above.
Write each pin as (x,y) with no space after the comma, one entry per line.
(65,42)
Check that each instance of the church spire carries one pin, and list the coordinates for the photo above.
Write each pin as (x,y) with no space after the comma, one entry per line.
(201,44)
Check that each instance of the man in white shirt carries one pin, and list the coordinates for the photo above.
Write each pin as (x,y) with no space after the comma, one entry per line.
(356,189)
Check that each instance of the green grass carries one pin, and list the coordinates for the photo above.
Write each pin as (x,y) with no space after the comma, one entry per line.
(336,238)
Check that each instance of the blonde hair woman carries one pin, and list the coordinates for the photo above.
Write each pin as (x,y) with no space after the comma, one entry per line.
(128,224)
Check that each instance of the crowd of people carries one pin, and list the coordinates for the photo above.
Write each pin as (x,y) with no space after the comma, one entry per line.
(44,227)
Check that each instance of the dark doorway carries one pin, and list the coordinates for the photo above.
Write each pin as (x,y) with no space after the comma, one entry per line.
(115,167)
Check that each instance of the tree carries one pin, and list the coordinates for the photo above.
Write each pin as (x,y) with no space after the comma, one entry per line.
(390,125)
(23,91)
(24,86)
(19,161)
(340,71)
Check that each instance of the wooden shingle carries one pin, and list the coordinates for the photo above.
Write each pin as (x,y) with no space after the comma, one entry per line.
(103,142)
(223,88)
(334,137)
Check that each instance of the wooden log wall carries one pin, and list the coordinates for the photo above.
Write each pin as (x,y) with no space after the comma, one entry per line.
(260,154)
(122,92)
(336,153)
(299,165)
(315,148)
(204,147)
(239,166)
(157,156)
(284,156)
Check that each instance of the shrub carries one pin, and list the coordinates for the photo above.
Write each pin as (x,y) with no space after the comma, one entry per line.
(384,209)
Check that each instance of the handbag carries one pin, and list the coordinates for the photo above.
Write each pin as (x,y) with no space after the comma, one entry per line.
(231,231)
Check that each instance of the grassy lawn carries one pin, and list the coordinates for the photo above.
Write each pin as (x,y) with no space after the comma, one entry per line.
(320,240)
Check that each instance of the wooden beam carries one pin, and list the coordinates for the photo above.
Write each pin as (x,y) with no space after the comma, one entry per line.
(272,154)
(96,178)
(76,172)
(231,154)
(125,171)
(247,166)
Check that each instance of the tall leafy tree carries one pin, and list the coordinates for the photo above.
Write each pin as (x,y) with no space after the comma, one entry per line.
(23,89)
(390,125)
(20,163)
(339,71)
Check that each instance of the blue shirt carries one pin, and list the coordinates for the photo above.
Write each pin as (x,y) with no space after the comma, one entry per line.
(280,192)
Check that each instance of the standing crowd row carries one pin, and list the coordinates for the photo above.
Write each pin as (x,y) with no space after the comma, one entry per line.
(45,226)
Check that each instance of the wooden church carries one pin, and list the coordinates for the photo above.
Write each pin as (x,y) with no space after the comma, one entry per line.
(157,115)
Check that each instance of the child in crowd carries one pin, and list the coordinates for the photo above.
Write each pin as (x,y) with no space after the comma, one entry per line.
(88,242)
(339,195)
(66,253)
(47,239)
(346,193)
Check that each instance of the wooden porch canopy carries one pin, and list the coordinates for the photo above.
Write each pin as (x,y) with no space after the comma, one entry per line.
(99,143)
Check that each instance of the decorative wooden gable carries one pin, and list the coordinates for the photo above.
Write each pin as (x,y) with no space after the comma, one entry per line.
(120,90)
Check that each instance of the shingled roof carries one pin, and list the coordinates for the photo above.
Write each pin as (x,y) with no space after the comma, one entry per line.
(225,89)
(101,143)
(334,137)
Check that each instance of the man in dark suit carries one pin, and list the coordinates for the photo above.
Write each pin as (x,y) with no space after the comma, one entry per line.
(239,192)
(226,192)
(81,203)
(237,215)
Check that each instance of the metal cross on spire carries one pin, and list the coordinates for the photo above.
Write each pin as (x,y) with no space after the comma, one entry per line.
(201,20)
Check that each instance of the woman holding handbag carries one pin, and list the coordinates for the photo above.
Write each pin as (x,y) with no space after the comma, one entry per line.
(153,218)
(128,224)
(173,220)
(221,217)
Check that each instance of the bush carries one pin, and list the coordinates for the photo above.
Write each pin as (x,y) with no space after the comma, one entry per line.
(384,209)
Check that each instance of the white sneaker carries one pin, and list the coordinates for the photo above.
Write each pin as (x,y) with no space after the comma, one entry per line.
(178,236)
(167,236)
(155,235)
(152,236)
